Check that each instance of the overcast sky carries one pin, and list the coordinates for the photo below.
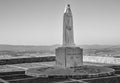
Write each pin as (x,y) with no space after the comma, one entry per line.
(39,22)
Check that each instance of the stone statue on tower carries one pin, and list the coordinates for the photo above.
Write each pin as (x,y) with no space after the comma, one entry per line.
(68,37)
(68,55)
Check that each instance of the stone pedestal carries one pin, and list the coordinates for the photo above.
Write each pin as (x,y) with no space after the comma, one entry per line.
(69,56)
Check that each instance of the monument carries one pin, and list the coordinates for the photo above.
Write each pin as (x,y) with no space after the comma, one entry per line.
(68,55)
(69,58)
(68,36)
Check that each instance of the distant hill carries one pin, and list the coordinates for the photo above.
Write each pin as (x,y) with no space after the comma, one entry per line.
(50,47)
(101,50)
(26,47)
(98,46)
(88,49)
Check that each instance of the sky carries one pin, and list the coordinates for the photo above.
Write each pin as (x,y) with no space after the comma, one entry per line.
(40,22)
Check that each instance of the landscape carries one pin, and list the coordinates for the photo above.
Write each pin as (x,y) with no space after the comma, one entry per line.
(88,50)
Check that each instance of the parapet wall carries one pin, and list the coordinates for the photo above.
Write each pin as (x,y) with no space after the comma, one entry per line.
(95,59)
(99,59)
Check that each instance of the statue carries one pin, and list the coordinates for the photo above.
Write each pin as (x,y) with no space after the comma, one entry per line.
(68,55)
(68,37)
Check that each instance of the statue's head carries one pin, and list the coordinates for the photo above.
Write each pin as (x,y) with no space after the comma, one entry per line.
(67,9)
(68,5)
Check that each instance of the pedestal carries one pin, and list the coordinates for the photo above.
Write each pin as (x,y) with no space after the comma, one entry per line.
(69,56)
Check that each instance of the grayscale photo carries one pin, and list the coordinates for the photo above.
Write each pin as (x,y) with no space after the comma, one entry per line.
(59,41)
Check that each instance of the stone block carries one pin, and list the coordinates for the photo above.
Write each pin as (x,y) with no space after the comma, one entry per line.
(69,56)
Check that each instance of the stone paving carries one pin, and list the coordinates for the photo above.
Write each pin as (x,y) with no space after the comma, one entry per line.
(25,66)
(7,68)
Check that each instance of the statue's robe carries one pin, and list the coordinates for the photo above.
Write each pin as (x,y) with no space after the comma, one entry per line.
(68,37)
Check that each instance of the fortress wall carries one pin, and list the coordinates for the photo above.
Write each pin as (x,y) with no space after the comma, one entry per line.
(96,59)
(99,59)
